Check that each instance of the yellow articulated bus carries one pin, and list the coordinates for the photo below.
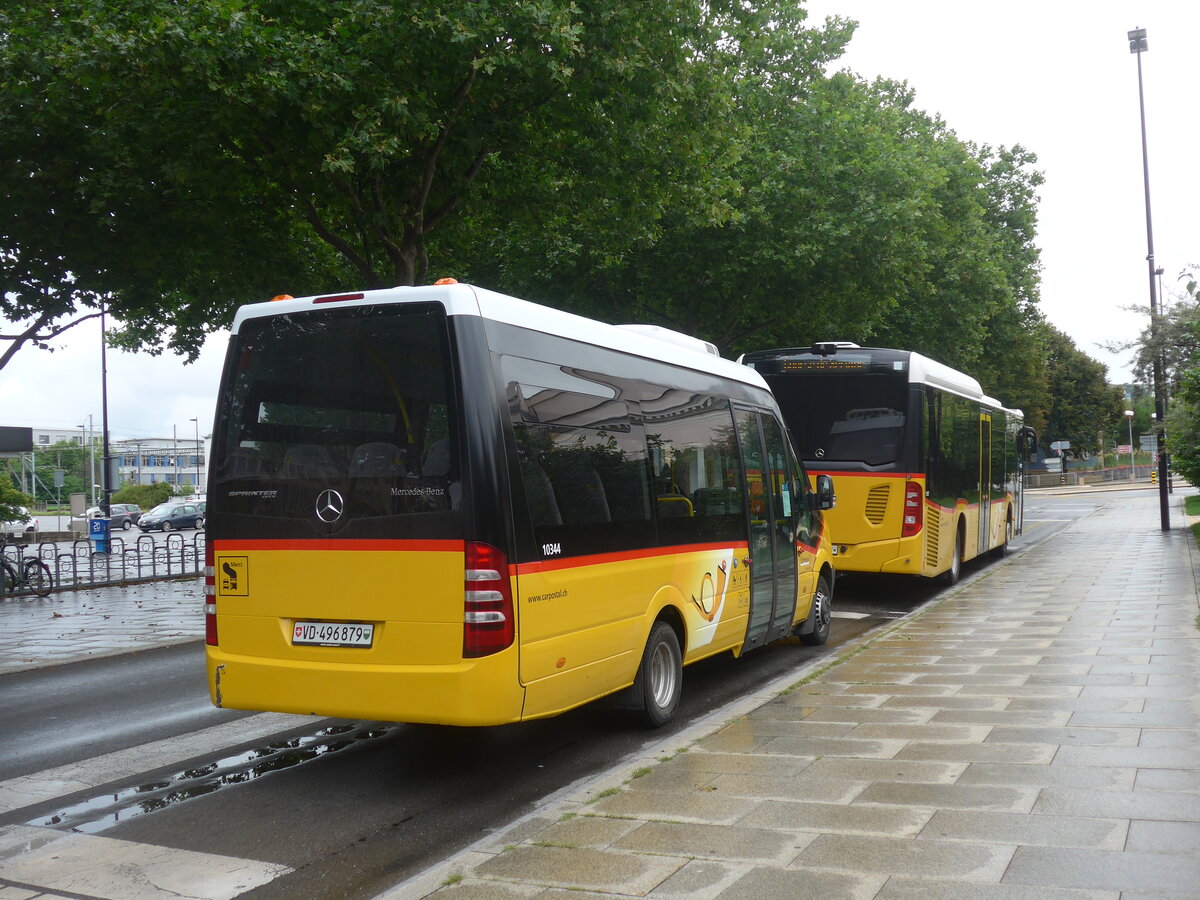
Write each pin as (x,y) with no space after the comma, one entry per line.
(440,504)
(926,467)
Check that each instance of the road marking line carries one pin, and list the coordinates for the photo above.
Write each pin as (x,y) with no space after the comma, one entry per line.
(49,784)
(116,869)
(846,614)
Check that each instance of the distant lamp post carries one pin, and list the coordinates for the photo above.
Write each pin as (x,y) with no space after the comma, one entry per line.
(196,422)
(1138,46)
(1129,420)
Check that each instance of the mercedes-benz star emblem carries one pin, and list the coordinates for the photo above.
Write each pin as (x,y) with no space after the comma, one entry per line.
(329,506)
(820,453)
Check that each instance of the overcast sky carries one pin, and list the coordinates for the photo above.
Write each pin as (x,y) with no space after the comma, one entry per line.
(1056,77)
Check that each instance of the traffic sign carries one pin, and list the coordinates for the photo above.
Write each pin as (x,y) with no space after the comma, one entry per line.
(1060,445)
(1149,442)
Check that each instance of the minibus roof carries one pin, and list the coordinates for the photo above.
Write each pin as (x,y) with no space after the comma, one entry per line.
(461,299)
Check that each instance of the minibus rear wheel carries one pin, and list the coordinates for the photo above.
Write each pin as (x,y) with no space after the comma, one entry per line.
(659,679)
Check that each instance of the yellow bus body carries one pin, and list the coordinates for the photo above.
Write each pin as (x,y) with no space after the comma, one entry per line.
(867,526)
(581,627)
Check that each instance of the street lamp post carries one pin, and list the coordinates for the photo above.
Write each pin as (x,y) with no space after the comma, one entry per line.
(196,422)
(1137,46)
(1129,420)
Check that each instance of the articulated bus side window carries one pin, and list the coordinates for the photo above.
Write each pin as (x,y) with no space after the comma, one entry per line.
(353,398)
(698,483)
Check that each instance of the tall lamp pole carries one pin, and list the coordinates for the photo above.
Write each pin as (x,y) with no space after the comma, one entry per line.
(1129,420)
(1138,46)
(196,422)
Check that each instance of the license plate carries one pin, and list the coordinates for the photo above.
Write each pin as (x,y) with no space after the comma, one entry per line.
(333,634)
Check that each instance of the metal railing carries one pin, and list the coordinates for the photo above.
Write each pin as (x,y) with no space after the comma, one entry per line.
(1116,475)
(77,565)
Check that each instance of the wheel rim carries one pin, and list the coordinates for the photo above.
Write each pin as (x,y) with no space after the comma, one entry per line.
(662,675)
(824,613)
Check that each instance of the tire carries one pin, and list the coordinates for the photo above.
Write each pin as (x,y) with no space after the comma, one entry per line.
(166,526)
(1002,551)
(38,577)
(659,680)
(822,609)
(8,577)
(126,525)
(955,570)
(200,523)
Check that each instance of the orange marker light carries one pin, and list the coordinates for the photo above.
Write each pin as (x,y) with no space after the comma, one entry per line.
(282,297)
(446,281)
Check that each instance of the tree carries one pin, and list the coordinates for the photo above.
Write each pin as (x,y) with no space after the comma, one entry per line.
(12,502)
(1083,405)
(856,217)
(175,159)
(1179,343)
(146,496)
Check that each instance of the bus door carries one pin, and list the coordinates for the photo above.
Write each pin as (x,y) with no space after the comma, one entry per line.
(985,479)
(772,554)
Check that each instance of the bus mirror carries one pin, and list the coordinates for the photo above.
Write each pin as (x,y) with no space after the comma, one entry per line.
(825,496)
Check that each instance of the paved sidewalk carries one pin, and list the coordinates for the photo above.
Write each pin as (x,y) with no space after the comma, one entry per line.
(69,626)
(1034,734)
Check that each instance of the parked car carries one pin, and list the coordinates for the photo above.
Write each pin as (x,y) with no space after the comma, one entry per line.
(172,516)
(19,527)
(120,515)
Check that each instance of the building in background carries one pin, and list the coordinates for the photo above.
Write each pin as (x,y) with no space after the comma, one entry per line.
(177,461)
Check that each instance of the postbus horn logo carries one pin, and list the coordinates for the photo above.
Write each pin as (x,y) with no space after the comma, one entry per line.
(330,505)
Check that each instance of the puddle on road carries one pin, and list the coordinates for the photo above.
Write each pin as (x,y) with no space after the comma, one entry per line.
(108,810)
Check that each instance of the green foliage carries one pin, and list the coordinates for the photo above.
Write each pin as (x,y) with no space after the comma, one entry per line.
(1176,340)
(687,163)
(11,501)
(1083,405)
(75,461)
(146,496)
(181,158)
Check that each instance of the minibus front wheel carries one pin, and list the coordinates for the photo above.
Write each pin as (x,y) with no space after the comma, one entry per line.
(659,680)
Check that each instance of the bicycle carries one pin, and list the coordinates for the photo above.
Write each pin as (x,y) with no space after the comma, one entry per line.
(31,573)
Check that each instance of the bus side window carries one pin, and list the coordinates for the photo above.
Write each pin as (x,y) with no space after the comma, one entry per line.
(583,470)
(701,498)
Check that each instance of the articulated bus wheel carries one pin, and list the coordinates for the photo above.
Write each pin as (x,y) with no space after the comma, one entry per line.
(955,570)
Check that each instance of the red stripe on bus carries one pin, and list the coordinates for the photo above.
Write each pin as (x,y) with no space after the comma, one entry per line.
(360,545)
(905,475)
(571,562)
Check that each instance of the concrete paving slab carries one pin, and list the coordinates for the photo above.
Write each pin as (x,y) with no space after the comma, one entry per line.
(934,889)
(1164,837)
(882,856)
(1098,777)
(583,868)
(1010,828)
(1176,875)
(803,885)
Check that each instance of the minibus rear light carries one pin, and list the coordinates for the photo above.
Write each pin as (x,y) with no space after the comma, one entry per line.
(488,625)
(210,598)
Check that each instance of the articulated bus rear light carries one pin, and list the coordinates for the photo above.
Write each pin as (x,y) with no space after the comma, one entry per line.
(337,298)
(914,506)
(488,625)
(210,598)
